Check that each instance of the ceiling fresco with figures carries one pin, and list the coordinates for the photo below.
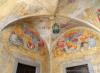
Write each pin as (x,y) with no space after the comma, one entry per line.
(44,21)
(51,33)
(35,33)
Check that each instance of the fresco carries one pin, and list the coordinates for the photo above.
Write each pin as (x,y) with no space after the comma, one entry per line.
(71,1)
(98,14)
(26,37)
(76,39)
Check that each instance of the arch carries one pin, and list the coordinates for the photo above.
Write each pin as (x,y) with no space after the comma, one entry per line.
(4,23)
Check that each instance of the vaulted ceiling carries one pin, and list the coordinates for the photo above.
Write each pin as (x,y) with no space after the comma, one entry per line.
(68,13)
(84,10)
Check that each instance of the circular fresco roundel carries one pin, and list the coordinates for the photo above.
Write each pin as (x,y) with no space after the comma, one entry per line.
(26,37)
(77,38)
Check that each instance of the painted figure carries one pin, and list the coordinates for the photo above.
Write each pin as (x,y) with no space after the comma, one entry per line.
(60,43)
(40,43)
(91,42)
(14,39)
